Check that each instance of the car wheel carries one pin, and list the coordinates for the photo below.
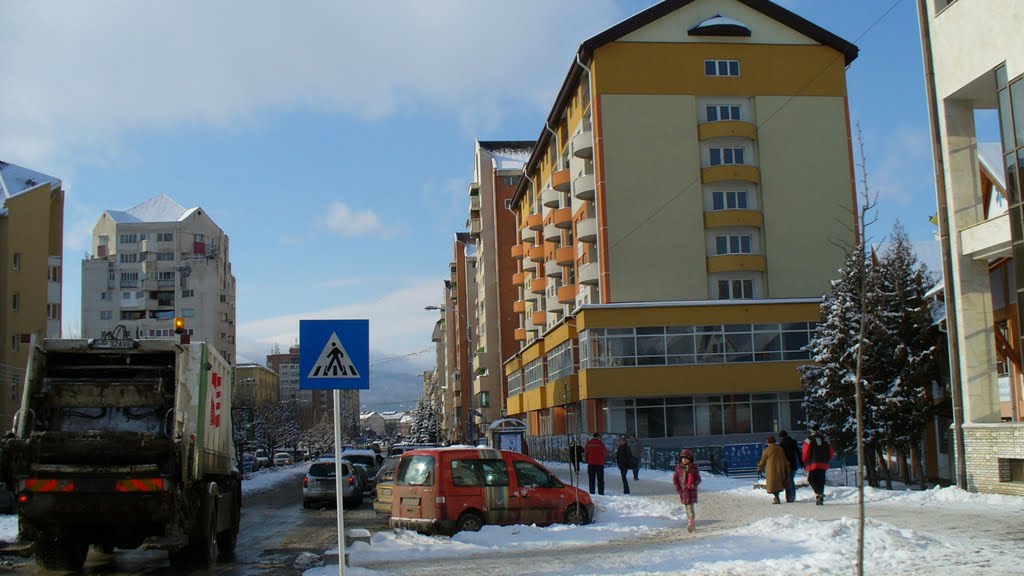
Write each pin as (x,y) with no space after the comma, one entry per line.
(577,515)
(469,522)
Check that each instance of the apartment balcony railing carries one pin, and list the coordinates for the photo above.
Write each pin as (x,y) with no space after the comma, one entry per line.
(552,233)
(734,219)
(553,269)
(519,306)
(737,263)
(582,145)
(586,230)
(583,187)
(520,334)
(727,129)
(589,273)
(474,202)
(562,218)
(530,264)
(519,278)
(567,294)
(528,236)
(540,318)
(535,222)
(726,172)
(565,255)
(517,252)
(538,285)
(537,254)
(550,198)
(560,180)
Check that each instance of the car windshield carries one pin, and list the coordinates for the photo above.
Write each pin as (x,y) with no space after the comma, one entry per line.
(367,461)
(416,471)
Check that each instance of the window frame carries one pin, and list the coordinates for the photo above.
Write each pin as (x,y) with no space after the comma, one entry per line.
(714,68)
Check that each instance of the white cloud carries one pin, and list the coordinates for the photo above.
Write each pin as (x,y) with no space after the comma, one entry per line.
(105,67)
(345,221)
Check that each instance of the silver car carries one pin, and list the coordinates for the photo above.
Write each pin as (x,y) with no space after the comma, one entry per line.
(319,484)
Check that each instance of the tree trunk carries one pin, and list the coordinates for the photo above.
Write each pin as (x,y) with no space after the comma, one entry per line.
(869,466)
(922,463)
(884,461)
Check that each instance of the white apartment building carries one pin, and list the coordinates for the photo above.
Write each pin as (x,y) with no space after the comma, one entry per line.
(976,52)
(155,262)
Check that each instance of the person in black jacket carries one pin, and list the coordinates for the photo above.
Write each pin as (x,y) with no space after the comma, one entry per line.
(576,455)
(792,451)
(624,459)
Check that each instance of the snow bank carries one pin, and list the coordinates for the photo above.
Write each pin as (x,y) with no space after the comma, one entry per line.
(937,495)
(268,479)
(8,527)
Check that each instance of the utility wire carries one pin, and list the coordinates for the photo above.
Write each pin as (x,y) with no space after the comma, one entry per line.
(759,126)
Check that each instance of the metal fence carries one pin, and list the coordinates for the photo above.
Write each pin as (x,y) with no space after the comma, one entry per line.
(556,449)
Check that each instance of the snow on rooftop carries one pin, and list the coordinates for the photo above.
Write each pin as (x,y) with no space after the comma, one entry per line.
(159,208)
(719,20)
(16,179)
(991,155)
(511,159)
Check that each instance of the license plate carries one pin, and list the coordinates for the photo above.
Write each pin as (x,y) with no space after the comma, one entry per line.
(385,492)
(411,501)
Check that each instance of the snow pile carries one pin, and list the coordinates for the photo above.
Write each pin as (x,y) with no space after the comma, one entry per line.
(8,527)
(269,479)
(937,495)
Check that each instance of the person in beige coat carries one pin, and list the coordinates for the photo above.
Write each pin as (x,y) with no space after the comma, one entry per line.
(775,466)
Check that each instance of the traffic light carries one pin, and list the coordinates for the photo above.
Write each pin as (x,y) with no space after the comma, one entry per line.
(179,325)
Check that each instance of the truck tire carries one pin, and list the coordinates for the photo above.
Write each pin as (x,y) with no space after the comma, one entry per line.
(204,545)
(228,539)
(61,554)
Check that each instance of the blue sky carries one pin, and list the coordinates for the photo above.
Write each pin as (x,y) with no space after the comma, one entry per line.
(333,141)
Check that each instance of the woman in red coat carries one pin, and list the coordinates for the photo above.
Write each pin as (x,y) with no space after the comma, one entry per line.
(686,479)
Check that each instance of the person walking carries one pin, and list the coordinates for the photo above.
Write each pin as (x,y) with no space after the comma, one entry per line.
(775,467)
(576,455)
(624,459)
(596,453)
(686,478)
(637,449)
(817,453)
(792,451)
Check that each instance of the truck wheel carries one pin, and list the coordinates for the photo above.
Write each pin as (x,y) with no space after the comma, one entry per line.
(228,539)
(204,545)
(61,554)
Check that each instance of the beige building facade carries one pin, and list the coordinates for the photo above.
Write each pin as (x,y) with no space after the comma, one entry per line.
(155,262)
(31,272)
(256,385)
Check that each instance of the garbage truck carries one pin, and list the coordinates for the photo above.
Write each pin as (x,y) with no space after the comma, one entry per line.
(122,443)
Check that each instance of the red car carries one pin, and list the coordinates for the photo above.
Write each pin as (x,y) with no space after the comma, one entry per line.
(448,490)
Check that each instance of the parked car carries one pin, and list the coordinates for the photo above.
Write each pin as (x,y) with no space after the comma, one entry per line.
(283,459)
(248,463)
(449,490)
(367,459)
(385,481)
(402,448)
(262,459)
(319,484)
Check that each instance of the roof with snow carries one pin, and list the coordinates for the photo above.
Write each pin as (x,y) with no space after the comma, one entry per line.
(720,26)
(508,154)
(15,180)
(159,208)
(991,156)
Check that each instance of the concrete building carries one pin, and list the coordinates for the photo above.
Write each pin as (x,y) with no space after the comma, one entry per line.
(459,314)
(154,262)
(372,421)
(31,272)
(974,60)
(498,169)
(681,206)
(287,366)
(256,385)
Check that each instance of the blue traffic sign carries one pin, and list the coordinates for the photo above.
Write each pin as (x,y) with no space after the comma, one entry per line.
(334,354)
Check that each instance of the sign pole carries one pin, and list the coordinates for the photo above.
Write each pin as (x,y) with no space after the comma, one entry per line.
(339,486)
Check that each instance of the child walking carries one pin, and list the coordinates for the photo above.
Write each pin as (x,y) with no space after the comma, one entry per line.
(686,479)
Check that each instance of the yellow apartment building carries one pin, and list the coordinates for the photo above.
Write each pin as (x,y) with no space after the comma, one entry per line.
(31,272)
(678,221)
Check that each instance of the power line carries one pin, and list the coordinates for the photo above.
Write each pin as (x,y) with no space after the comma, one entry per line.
(759,126)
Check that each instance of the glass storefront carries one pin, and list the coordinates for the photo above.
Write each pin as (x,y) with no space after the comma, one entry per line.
(705,415)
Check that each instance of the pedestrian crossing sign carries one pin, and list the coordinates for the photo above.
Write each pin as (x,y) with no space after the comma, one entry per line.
(334,354)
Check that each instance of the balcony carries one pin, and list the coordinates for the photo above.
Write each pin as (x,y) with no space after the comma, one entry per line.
(530,265)
(538,285)
(736,263)
(733,219)
(562,218)
(550,198)
(988,239)
(552,269)
(560,180)
(589,273)
(565,256)
(535,222)
(552,233)
(583,187)
(567,294)
(531,297)
(520,335)
(586,230)
(517,252)
(519,278)
(727,129)
(474,226)
(528,236)
(537,254)
(582,145)
(474,203)
(726,172)
(540,318)
(519,306)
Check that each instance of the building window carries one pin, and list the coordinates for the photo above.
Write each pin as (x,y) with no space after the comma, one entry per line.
(735,289)
(105,295)
(188,293)
(722,156)
(188,312)
(515,383)
(1011,470)
(15,301)
(721,67)
(717,112)
(128,258)
(200,238)
(560,361)
(705,415)
(106,315)
(729,200)
(223,297)
(165,256)
(54,273)
(53,311)
(14,342)
(165,237)
(17,261)
(129,239)
(732,244)
(533,374)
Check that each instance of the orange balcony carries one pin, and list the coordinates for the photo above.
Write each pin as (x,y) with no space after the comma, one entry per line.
(537,254)
(535,222)
(562,218)
(567,294)
(560,180)
(517,252)
(520,334)
(737,263)
(733,219)
(519,278)
(727,129)
(540,318)
(519,306)
(565,256)
(728,172)
(538,285)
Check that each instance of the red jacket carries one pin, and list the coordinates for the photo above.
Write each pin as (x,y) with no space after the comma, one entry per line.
(817,453)
(596,452)
(686,483)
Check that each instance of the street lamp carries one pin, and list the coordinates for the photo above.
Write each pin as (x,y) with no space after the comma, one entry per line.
(469,352)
